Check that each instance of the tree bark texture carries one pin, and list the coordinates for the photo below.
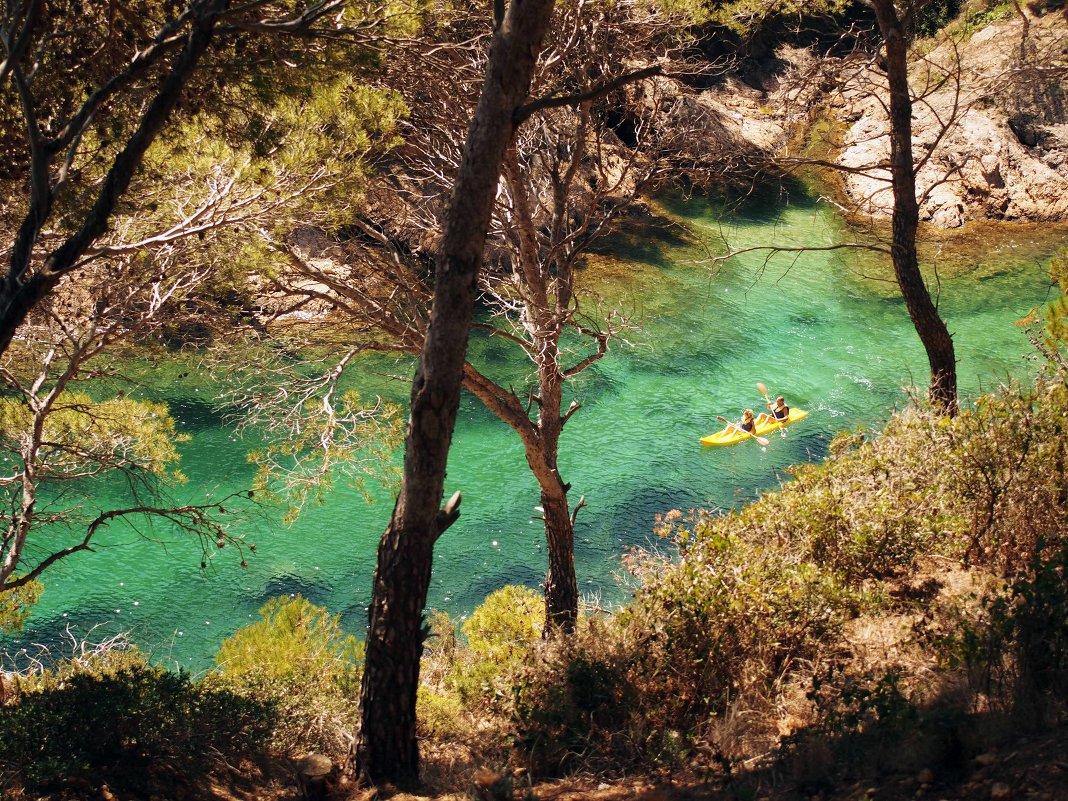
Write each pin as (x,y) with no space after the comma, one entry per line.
(561,583)
(385,749)
(930,327)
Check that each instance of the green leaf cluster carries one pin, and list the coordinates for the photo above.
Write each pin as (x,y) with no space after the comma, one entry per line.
(84,437)
(15,606)
(353,440)
(297,659)
(749,17)
(1056,334)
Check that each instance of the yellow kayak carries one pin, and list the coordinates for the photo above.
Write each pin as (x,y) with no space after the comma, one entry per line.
(731,435)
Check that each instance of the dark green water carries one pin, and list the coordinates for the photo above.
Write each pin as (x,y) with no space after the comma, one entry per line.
(811,327)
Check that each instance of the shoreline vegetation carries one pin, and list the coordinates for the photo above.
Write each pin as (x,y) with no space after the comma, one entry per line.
(890,624)
(896,611)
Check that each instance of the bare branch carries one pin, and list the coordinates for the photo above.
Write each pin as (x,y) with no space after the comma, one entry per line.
(597,90)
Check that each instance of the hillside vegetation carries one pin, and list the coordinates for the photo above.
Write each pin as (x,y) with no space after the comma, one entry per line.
(900,607)
(887,624)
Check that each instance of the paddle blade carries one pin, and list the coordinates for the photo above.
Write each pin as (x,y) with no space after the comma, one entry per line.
(763,389)
(762,440)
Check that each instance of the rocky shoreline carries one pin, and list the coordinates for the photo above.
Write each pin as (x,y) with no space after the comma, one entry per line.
(990,123)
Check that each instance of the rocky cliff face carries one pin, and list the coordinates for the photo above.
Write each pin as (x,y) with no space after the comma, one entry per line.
(989,130)
(990,125)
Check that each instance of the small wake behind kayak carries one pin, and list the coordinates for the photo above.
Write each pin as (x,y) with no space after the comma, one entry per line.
(731,435)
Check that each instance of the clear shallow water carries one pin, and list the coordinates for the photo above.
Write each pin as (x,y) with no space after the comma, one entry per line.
(811,327)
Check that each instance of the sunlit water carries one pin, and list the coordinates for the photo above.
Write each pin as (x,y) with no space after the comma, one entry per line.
(815,327)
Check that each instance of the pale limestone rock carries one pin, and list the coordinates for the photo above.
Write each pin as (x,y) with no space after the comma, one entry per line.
(1002,157)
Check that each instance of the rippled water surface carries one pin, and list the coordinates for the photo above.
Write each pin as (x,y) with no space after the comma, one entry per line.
(823,328)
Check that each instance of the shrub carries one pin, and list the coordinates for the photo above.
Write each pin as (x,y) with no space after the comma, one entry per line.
(1006,465)
(499,635)
(297,659)
(731,616)
(728,620)
(114,718)
(935,15)
(1014,653)
(572,701)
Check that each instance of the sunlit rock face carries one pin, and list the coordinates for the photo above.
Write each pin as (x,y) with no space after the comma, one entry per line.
(993,142)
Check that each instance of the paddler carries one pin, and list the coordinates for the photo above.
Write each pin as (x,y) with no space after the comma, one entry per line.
(748,424)
(780,413)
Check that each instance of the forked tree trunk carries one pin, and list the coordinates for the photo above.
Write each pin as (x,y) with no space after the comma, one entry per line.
(925,318)
(385,749)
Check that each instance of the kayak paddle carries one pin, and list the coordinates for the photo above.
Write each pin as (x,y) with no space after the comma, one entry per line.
(763,391)
(761,440)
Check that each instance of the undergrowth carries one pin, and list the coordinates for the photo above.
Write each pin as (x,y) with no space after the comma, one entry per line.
(113,718)
(740,640)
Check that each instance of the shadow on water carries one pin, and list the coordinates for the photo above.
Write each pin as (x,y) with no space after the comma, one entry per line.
(194,414)
(354,616)
(807,320)
(762,204)
(287,584)
(719,355)
(475,593)
(650,240)
(632,518)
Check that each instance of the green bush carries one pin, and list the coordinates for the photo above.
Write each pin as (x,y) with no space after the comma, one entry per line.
(498,636)
(935,15)
(468,676)
(730,617)
(114,718)
(15,606)
(1005,466)
(297,659)
(726,621)
(572,701)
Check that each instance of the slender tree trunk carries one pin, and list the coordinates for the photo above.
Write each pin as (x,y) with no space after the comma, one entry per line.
(561,583)
(925,318)
(385,749)
(541,445)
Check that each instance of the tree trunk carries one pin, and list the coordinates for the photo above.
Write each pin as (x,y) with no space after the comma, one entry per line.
(929,325)
(385,749)
(561,584)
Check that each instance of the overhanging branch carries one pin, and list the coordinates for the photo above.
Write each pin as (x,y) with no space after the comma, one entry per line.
(525,112)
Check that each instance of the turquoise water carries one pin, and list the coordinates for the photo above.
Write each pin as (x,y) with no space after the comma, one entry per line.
(812,327)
